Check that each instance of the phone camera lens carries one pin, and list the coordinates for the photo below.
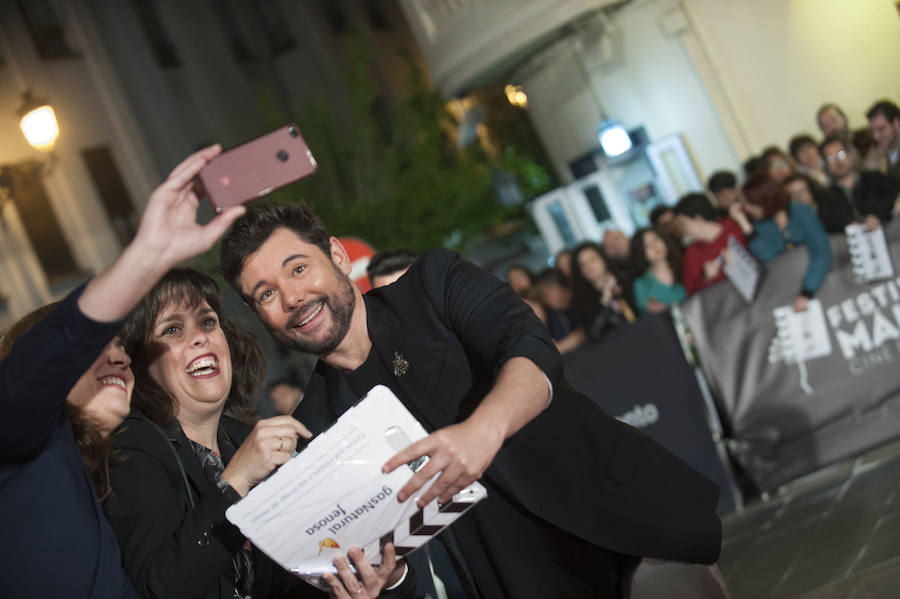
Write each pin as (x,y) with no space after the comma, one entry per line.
(282,155)
(293,131)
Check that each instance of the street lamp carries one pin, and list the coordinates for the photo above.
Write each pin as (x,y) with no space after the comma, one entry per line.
(38,122)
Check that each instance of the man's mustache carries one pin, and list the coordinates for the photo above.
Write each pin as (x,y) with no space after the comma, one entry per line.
(295,318)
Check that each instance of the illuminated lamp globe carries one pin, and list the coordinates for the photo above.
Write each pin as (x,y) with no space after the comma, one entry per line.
(614,139)
(39,123)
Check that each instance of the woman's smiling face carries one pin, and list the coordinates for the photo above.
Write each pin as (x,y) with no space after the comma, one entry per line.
(189,356)
(104,391)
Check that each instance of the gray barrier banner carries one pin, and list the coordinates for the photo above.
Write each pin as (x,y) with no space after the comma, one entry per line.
(788,422)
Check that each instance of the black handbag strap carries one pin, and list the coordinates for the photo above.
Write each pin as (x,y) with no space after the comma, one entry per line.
(187,486)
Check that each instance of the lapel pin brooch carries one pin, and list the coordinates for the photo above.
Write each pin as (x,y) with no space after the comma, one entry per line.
(401,364)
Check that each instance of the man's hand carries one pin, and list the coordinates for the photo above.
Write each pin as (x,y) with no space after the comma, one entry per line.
(872,222)
(460,453)
(801,303)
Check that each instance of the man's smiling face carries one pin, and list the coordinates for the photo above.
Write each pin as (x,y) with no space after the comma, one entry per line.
(303,296)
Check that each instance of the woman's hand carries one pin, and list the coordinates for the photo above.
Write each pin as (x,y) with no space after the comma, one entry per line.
(712,268)
(654,306)
(737,214)
(270,444)
(368,581)
(167,235)
(801,303)
(169,230)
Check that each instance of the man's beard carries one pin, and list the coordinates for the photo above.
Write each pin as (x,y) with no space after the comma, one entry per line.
(340,304)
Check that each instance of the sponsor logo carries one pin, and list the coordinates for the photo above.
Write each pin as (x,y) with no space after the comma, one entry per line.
(328,542)
(641,416)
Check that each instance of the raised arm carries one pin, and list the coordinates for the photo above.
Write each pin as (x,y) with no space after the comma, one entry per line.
(168,235)
(47,361)
(493,324)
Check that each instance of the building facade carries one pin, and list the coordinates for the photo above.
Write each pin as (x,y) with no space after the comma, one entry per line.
(137,85)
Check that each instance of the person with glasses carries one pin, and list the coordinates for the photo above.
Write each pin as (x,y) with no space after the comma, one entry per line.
(866,196)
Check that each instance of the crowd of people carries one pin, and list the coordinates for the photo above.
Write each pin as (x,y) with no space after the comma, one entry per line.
(129,424)
(787,199)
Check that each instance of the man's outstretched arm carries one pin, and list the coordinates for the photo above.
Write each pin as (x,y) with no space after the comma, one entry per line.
(462,452)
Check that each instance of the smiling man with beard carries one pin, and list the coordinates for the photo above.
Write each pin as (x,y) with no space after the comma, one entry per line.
(575,497)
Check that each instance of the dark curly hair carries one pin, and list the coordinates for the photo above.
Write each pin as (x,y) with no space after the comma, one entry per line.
(248,360)
(639,253)
(585,297)
(252,230)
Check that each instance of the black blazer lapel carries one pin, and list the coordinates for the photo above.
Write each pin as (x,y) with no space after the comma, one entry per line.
(407,380)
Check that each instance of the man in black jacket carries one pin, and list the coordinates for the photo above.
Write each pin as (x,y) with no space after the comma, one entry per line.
(856,195)
(575,497)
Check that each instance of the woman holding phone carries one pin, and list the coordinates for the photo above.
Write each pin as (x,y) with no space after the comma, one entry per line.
(56,542)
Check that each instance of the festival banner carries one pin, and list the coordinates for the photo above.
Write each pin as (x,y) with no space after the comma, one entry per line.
(800,391)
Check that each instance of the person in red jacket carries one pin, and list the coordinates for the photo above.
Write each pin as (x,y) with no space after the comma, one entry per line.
(705,256)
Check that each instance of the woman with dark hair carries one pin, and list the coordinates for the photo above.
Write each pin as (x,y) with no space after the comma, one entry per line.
(778,164)
(522,280)
(596,295)
(780,225)
(95,406)
(190,452)
(659,262)
(56,542)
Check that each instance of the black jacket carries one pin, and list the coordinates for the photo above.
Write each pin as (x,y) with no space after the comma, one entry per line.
(573,466)
(56,542)
(171,525)
(171,549)
(874,193)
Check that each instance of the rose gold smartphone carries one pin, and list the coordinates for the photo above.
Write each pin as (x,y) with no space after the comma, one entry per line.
(256,168)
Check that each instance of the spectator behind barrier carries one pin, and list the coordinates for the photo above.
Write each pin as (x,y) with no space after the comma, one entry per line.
(805,152)
(659,263)
(521,279)
(662,218)
(556,297)
(388,266)
(753,165)
(857,196)
(884,124)
(833,123)
(56,542)
(563,261)
(778,165)
(616,253)
(286,395)
(596,294)
(191,364)
(781,225)
(708,233)
(724,187)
